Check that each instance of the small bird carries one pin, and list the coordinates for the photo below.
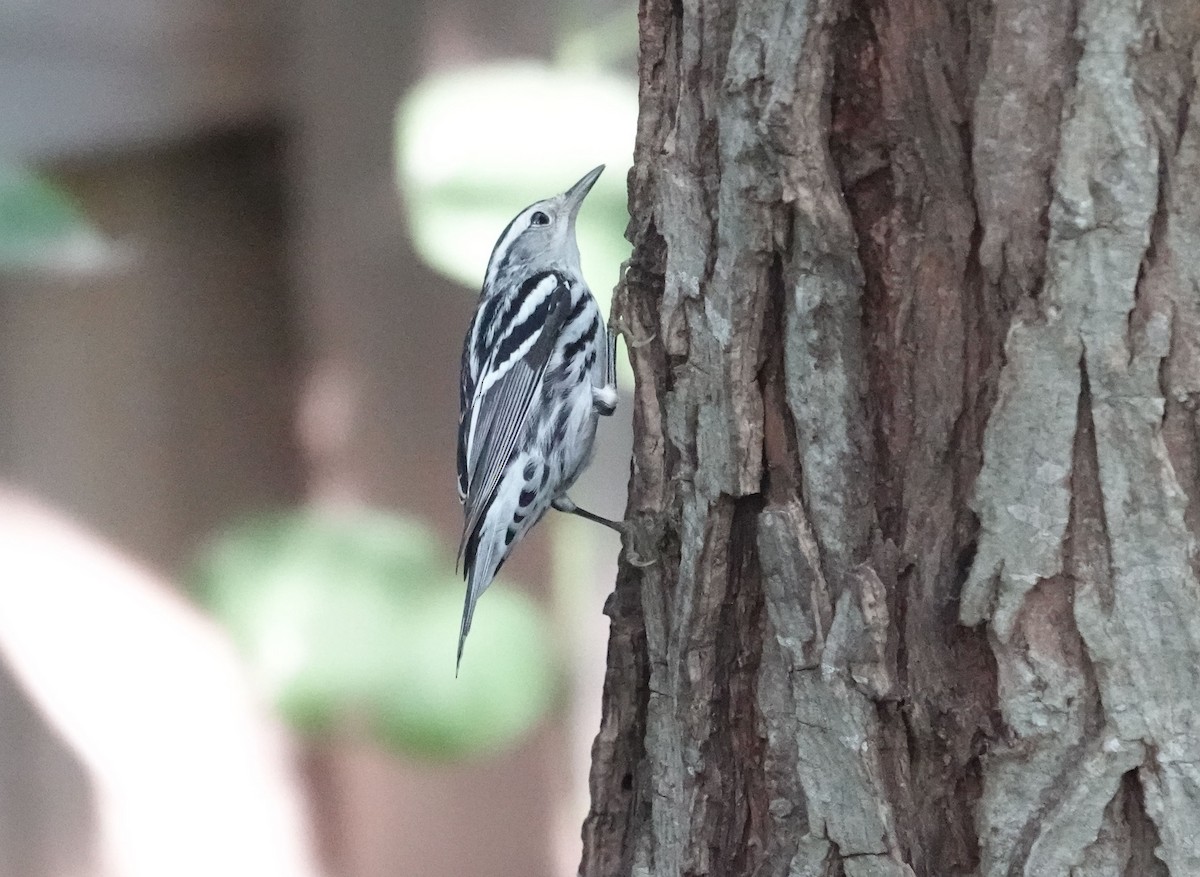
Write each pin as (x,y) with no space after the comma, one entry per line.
(538,369)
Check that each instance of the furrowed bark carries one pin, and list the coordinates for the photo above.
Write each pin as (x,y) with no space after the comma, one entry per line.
(1098,526)
(914,310)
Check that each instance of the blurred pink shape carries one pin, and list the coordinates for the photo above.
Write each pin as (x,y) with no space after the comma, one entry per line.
(191,775)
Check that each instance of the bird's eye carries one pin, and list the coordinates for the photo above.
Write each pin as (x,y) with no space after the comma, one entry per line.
(539,218)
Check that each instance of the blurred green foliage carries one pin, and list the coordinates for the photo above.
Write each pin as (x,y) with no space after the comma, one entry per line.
(350,623)
(476,145)
(36,218)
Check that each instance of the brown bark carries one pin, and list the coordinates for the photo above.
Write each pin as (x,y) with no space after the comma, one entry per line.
(915,316)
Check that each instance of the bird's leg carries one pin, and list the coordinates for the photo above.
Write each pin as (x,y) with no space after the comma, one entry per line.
(605,398)
(564,504)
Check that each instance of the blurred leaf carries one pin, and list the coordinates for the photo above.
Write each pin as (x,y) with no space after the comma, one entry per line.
(351,623)
(38,222)
(477,145)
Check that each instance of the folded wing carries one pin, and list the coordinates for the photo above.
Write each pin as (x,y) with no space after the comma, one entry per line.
(504,398)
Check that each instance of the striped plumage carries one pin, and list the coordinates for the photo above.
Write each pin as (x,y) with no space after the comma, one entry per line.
(537,371)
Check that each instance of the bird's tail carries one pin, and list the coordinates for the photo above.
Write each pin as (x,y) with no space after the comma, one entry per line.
(483,561)
(468,611)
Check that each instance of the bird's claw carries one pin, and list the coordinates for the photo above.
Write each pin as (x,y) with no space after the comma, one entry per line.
(634,340)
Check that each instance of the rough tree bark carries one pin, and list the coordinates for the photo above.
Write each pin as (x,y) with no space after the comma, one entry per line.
(914,309)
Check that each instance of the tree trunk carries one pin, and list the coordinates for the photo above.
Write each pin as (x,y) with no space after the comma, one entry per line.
(914,309)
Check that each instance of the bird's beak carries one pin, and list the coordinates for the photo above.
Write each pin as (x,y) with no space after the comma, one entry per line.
(573,197)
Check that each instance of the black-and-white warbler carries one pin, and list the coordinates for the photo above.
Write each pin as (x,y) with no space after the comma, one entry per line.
(538,368)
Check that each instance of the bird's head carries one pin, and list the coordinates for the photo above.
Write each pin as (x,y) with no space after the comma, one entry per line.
(542,236)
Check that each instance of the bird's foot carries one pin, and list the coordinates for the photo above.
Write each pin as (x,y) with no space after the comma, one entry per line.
(632,339)
(564,504)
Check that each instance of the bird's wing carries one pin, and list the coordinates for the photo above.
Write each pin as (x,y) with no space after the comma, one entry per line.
(504,396)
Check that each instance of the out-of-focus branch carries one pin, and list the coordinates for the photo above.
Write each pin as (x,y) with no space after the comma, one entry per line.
(191,775)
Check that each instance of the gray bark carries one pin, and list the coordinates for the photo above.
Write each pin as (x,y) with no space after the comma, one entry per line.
(914,309)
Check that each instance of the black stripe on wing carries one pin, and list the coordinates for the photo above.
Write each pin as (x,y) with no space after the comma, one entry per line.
(499,414)
(494,322)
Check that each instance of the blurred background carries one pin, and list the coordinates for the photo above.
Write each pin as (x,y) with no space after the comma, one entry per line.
(240,243)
